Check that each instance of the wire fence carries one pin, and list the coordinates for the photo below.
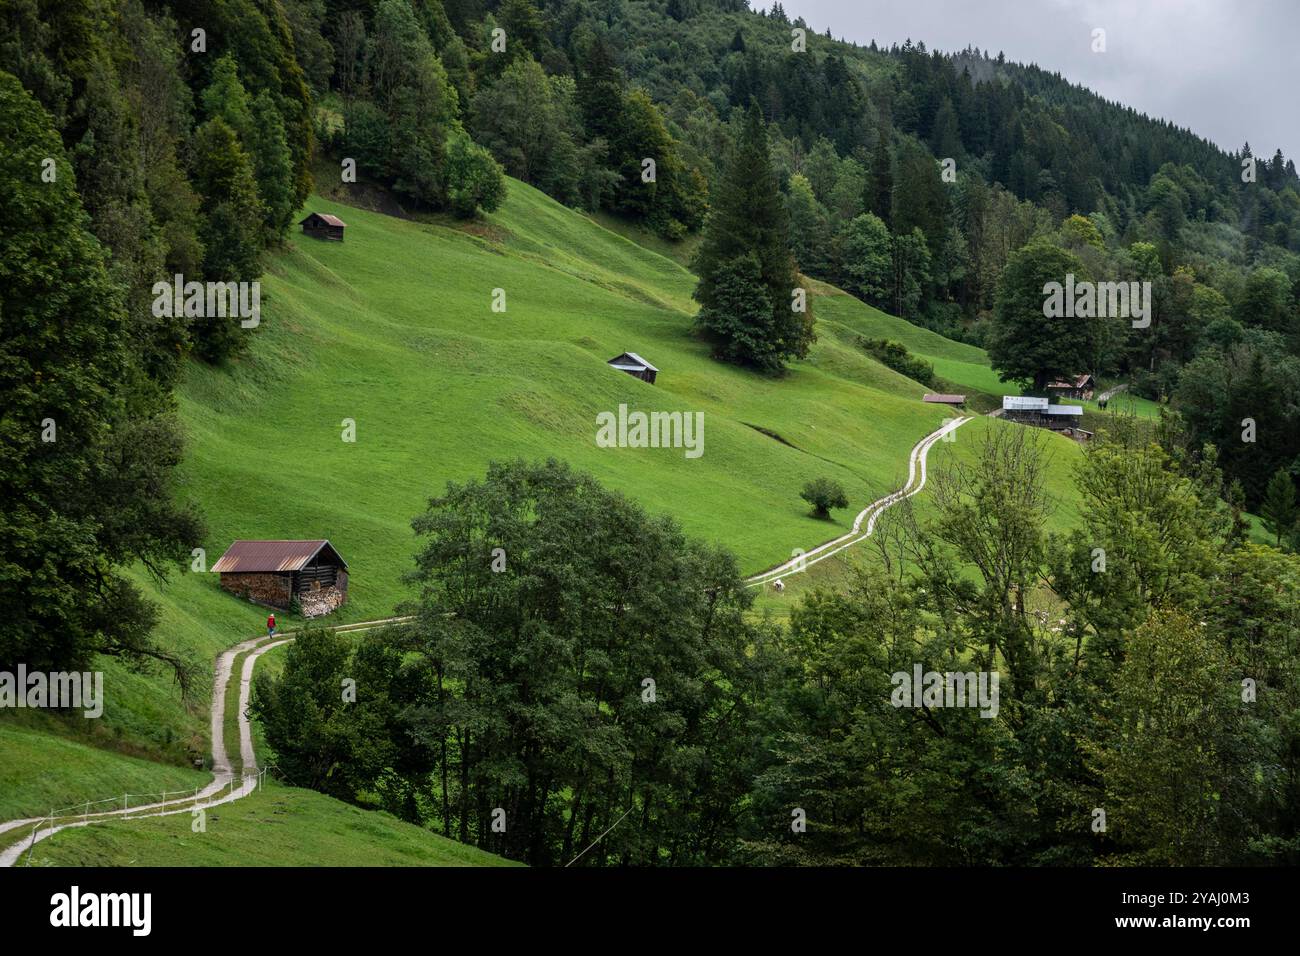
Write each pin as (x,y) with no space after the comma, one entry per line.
(197,799)
(81,811)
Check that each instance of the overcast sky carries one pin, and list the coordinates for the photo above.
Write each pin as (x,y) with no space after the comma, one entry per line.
(1225,68)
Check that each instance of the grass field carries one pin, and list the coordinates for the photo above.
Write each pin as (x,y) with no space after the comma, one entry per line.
(40,772)
(393,332)
(1060,454)
(278,826)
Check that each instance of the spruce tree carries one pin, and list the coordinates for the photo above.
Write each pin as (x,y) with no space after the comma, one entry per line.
(880,184)
(87,445)
(749,219)
(1279,509)
(272,165)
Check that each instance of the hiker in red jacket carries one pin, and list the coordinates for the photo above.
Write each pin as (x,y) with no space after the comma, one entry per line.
(270,626)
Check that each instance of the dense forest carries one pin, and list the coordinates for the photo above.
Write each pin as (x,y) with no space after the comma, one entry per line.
(611,671)
(144,139)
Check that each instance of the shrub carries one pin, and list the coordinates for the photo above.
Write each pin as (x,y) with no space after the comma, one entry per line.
(824,494)
(895,356)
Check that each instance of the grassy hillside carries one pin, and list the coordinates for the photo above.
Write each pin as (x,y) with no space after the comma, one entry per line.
(40,772)
(1061,455)
(961,365)
(393,329)
(279,826)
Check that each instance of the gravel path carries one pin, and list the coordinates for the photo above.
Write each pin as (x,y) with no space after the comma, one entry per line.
(916,474)
(223,778)
(224,786)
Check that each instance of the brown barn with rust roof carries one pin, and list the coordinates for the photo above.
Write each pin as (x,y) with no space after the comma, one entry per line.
(943,398)
(276,572)
(321,225)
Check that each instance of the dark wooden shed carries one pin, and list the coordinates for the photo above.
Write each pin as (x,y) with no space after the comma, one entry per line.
(944,398)
(276,572)
(321,225)
(1076,386)
(635,366)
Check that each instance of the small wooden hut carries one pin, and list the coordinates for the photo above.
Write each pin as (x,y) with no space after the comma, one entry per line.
(276,572)
(635,366)
(321,225)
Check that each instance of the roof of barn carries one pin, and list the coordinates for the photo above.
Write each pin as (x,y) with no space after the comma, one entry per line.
(246,556)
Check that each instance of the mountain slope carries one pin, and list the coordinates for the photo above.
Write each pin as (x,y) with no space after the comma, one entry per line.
(279,826)
(394,329)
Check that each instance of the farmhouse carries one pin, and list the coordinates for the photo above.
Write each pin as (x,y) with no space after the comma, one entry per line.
(1041,412)
(941,398)
(1078,386)
(321,225)
(277,573)
(635,366)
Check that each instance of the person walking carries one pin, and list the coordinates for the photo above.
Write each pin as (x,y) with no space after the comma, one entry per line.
(270,626)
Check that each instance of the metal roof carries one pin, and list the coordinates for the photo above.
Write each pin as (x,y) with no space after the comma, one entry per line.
(640,362)
(1064,410)
(255,556)
(1024,403)
(941,398)
(332,220)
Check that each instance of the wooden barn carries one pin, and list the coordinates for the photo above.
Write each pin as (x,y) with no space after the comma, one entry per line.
(1078,386)
(276,573)
(942,398)
(635,366)
(321,225)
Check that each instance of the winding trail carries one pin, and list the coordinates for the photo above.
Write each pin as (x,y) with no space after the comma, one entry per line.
(223,789)
(225,786)
(916,475)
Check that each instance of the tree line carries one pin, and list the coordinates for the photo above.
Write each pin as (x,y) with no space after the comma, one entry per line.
(584,682)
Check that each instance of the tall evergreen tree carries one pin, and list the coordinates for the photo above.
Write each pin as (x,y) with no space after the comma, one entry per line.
(87,447)
(749,219)
(1279,509)
(918,200)
(880,181)
(233,215)
(272,165)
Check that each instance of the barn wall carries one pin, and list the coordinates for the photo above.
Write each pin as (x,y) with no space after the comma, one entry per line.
(264,588)
(314,577)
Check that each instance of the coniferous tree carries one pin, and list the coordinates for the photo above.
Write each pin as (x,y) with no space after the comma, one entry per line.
(880,181)
(231,228)
(945,138)
(87,447)
(1279,510)
(749,219)
(272,165)
(918,198)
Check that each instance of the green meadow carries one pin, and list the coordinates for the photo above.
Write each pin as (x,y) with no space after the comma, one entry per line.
(277,826)
(390,338)
(393,332)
